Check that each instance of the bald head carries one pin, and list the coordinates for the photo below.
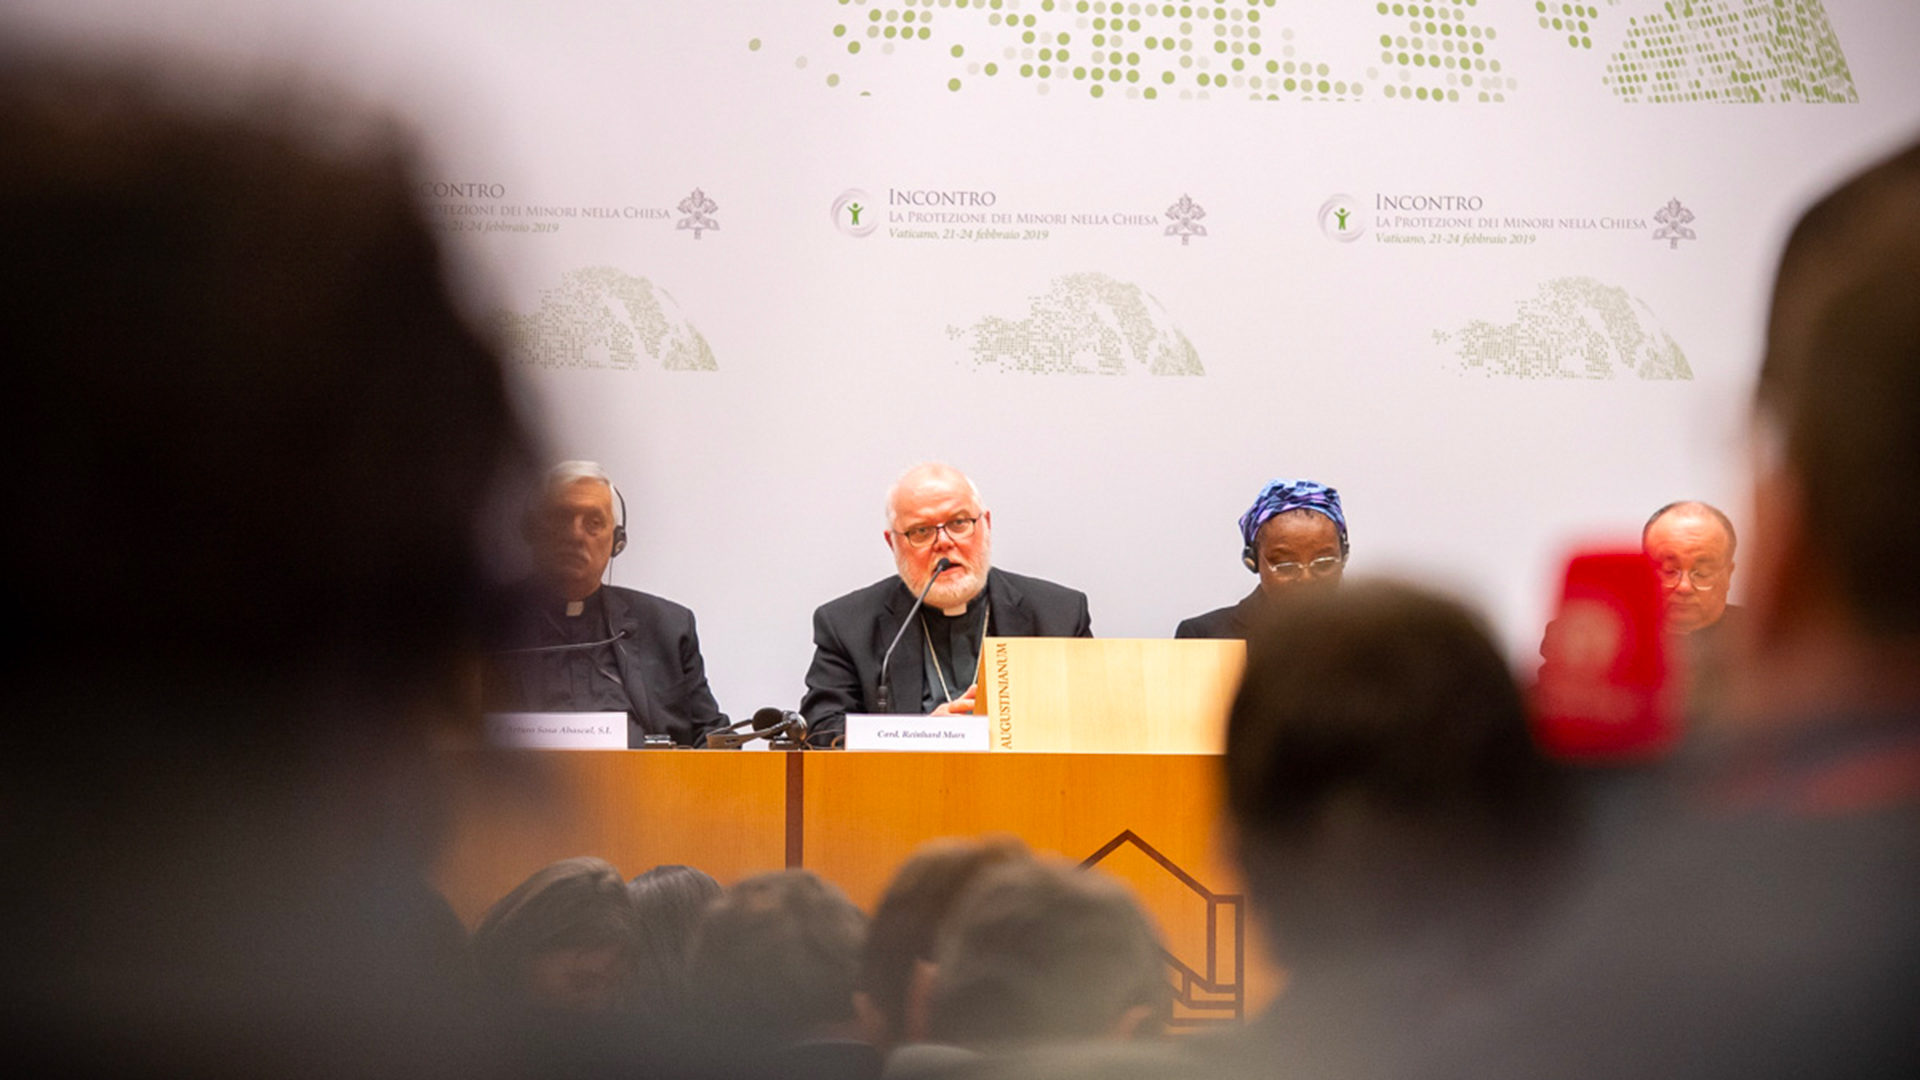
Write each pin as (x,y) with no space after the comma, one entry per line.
(1692,544)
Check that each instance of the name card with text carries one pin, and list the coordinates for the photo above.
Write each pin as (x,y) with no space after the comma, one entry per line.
(558,731)
(948,733)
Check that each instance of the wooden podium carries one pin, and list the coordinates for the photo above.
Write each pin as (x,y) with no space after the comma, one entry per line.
(1108,696)
(854,816)
(1114,765)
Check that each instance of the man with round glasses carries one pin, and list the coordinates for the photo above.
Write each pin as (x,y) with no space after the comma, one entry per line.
(1295,537)
(1692,545)
(934,513)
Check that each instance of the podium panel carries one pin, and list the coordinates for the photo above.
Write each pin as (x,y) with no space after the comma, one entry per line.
(516,811)
(1108,695)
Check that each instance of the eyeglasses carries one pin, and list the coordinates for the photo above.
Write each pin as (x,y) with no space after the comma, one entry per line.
(956,529)
(1704,579)
(1325,566)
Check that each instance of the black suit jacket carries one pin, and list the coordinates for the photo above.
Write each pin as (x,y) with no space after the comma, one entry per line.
(1234,621)
(851,634)
(658,660)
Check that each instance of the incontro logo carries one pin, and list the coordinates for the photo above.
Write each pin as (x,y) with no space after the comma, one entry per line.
(1340,219)
(854,213)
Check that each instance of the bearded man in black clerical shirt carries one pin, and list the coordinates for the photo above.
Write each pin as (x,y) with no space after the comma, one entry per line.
(579,645)
(934,515)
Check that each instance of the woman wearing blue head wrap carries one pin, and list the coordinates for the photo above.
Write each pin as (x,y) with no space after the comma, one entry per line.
(1294,536)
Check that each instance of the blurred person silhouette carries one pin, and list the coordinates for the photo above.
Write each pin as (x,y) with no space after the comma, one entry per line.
(562,942)
(1039,952)
(668,902)
(772,971)
(896,963)
(1769,926)
(1396,828)
(251,449)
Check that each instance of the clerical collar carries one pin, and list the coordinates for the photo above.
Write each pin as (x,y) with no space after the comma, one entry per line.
(575,608)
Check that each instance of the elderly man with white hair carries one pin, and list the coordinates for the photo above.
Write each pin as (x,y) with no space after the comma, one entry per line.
(579,645)
(934,515)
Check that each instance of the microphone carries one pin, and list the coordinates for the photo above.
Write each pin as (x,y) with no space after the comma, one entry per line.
(784,730)
(560,648)
(882,696)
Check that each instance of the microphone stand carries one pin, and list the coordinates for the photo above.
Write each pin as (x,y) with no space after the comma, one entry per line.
(883,694)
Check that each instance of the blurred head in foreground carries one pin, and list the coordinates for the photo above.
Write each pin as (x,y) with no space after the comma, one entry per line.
(668,902)
(773,962)
(1383,789)
(250,446)
(1043,951)
(560,942)
(1835,566)
(906,923)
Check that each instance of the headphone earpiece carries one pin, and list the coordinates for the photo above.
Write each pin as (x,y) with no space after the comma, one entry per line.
(619,527)
(1247,560)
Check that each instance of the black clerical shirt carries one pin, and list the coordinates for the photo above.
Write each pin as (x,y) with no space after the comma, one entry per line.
(950,650)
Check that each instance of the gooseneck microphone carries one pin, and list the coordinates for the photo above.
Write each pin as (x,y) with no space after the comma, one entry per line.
(882,696)
(782,729)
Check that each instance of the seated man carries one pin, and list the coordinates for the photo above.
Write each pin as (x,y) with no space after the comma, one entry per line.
(1294,536)
(577,645)
(933,513)
(1692,544)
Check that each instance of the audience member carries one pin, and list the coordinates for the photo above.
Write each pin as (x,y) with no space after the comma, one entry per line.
(218,810)
(1769,927)
(1041,951)
(1396,828)
(668,903)
(896,964)
(562,942)
(772,968)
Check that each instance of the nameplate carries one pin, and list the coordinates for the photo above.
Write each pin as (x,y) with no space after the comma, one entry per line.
(870,732)
(558,731)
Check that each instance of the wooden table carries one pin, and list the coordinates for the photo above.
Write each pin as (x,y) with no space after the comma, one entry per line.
(1148,819)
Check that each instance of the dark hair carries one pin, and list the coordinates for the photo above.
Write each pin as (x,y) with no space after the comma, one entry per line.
(1378,760)
(907,919)
(247,423)
(1841,383)
(1043,950)
(774,958)
(668,902)
(249,450)
(1733,539)
(574,903)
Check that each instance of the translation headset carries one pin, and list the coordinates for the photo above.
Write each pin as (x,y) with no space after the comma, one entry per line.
(620,526)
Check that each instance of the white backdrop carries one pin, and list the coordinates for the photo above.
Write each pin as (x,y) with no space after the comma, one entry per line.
(1519,366)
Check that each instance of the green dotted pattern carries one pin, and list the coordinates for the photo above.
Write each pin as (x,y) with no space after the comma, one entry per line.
(1133,49)
(1732,50)
(1440,52)
(1573,328)
(1569,22)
